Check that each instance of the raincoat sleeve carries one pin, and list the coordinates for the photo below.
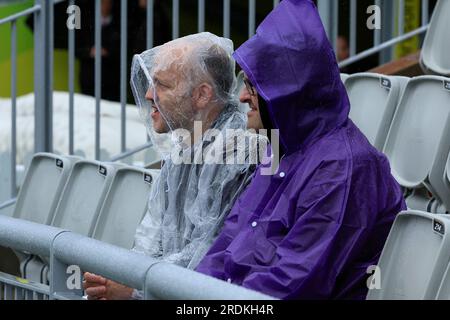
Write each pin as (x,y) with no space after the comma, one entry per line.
(332,222)
(213,263)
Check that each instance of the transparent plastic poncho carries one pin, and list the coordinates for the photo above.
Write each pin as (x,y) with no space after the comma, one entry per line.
(180,86)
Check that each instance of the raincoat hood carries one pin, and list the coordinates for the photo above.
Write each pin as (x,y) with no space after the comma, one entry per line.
(287,60)
(312,230)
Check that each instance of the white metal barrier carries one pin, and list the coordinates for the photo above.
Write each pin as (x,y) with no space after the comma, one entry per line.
(70,254)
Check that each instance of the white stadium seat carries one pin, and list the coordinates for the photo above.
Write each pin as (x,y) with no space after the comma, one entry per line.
(124,206)
(83,196)
(420,125)
(44,181)
(436,47)
(414,258)
(418,142)
(373,101)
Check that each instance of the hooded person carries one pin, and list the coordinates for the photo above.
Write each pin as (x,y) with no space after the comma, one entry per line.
(184,91)
(312,230)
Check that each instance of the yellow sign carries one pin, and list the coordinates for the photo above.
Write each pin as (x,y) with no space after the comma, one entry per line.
(23,281)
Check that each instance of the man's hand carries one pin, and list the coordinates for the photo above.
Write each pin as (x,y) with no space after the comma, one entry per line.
(99,288)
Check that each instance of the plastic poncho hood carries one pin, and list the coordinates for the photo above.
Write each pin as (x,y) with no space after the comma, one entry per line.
(163,80)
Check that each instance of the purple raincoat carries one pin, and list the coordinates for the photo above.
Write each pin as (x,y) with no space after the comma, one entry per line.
(312,230)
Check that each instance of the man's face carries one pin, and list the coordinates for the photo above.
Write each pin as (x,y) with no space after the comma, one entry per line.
(343,51)
(142,4)
(172,106)
(106,7)
(250,96)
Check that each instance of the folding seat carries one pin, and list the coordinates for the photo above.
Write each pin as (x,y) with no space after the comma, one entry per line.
(434,56)
(38,197)
(124,206)
(5,182)
(40,191)
(444,288)
(403,83)
(83,196)
(414,258)
(418,142)
(373,100)
(78,207)
(442,204)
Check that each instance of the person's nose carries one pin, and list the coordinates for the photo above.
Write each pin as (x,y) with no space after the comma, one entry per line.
(245,96)
(149,94)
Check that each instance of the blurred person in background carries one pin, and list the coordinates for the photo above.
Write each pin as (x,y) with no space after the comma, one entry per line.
(110,50)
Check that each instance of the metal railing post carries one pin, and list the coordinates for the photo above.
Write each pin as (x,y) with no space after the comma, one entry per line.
(98,75)
(150,20)
(13,108)
(325,8)
(388,27)
(251,17)
(123,72)
(71,80)
(43,77)
(226,18)
(175,19)
(201,16)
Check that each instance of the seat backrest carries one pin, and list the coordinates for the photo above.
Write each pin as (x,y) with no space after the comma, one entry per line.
(373,100)
(403,82)
(442,183)
(41,189)
(444,288)
(420,132)
(434,55)
(83,196)
(414,257)
(124,206)
(344,77)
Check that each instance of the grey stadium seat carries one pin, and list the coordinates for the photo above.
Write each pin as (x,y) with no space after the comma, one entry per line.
(436,47)
(38,197)
(419,139)
(83,196)
(414,258)
(444,289)
(373,101)
(44,181)
(124,206)
(344,77)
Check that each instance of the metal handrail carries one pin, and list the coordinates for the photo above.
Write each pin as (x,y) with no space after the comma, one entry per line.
(381,47)
(21,14)
(158,280)
(131,152)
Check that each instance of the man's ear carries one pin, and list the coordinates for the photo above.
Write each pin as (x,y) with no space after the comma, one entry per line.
(202,95)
